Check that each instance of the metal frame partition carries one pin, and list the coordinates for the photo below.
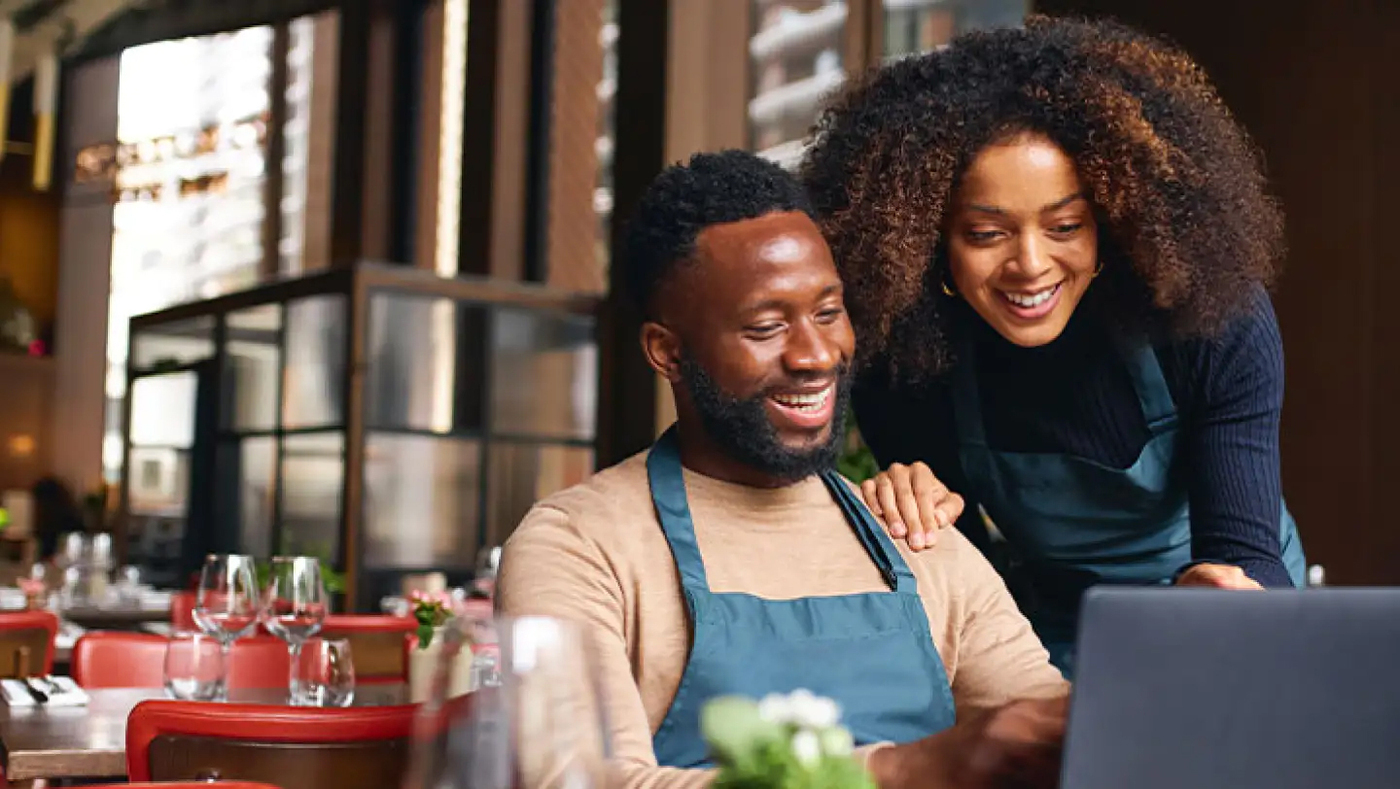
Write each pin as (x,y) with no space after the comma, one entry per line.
(387,419)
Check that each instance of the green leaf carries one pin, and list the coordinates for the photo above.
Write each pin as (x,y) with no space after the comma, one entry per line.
(856,462)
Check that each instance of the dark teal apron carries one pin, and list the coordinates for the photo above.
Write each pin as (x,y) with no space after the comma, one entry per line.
(872,653)
(1071,523)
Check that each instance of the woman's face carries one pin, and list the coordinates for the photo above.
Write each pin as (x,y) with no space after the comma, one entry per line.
(1021,238)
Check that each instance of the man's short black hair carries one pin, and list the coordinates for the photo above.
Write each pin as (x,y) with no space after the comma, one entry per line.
(712,189)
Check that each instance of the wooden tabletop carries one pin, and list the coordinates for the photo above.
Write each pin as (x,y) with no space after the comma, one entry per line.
(90,741)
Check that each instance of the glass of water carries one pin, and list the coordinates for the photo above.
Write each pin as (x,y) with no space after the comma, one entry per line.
(194,667)
(228,604)
(294,606)
(327,674)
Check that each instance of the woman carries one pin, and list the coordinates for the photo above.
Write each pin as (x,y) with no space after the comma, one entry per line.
(1056,244)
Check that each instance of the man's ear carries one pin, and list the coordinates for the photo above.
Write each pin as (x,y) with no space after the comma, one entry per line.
(663,350)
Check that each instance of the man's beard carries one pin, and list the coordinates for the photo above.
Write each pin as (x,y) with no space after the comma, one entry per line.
(743,431)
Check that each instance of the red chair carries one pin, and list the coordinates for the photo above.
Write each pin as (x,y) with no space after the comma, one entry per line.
(26,643)
(376,644)
(187,785)
(110,659)
(182,611)
(299,747)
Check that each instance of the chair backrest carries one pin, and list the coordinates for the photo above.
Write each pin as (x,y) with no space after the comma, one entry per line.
(182,611)
(299,747)
(26,643)
(376,644)
(110,659)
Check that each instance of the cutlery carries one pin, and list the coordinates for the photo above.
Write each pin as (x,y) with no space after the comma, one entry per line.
(38,695)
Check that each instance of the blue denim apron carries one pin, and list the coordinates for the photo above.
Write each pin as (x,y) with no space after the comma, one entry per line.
(872,653)
(1071,523)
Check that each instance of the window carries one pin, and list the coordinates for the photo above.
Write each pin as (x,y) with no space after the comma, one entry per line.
(191,194)
(913,26)
(796,57)
(798,53)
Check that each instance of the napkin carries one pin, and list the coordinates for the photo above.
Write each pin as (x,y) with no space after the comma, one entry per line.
(65,694)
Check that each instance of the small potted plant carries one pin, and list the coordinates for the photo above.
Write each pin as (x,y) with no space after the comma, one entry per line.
(782,742)
(434,612)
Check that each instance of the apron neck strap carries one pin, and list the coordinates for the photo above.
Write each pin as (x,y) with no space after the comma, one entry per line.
(673,510)
(882,551)
(1150,385)
(967,401)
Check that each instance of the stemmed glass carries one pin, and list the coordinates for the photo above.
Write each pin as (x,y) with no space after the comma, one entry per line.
(227,604)
(294,606)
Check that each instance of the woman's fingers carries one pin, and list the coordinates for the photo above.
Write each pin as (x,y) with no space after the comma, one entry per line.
(911,503)
(1218,576)
(889,503)
(869,492)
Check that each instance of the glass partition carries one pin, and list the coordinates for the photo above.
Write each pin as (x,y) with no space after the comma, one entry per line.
(387,420)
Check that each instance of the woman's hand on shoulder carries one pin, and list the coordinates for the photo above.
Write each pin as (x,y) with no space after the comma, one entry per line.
(912,503)
(1217,576)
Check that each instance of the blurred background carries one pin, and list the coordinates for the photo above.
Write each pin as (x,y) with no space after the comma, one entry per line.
(332,278)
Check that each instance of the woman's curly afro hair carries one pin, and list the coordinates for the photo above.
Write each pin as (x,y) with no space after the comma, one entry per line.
(1188,231)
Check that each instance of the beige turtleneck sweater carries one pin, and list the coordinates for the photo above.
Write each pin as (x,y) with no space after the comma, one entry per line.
(595,554)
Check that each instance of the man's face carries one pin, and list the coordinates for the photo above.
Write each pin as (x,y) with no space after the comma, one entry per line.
(762,344)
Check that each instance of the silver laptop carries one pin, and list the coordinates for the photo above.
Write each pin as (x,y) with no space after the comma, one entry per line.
(1213,689)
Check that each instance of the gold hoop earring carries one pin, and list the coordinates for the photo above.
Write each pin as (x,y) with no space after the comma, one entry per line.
(1098,269)
(947,291)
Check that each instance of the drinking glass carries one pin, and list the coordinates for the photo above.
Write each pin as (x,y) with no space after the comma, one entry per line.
(194,667)
(488,564)
(33,587)
(227,604)
(541,724)
(294,605)
(327,673)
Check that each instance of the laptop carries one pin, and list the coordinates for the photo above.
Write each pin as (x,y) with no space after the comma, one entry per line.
(1213,689)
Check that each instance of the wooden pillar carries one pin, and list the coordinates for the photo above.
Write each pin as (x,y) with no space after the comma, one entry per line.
(84,280)
(627,386)
(367,190)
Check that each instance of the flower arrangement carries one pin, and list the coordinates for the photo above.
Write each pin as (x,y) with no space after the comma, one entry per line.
(432,612)
(782,742)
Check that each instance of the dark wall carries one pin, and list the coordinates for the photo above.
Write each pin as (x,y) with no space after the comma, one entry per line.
(1317,82)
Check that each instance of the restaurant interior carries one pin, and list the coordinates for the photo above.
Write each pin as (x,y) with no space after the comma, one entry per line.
(329,279)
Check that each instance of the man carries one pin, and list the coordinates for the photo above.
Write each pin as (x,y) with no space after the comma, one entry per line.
(730,559)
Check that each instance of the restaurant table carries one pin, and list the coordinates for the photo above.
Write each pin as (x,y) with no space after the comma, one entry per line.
(114,617)
(90,741)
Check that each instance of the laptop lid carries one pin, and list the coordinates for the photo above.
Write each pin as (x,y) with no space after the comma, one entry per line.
(1205,688)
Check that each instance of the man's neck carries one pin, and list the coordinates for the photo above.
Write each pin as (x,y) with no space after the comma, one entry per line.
(701,455)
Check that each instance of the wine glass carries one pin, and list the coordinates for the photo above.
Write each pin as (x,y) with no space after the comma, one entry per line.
(227,604)
(327,673)
(195,669)
(294,605)
(541,723)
